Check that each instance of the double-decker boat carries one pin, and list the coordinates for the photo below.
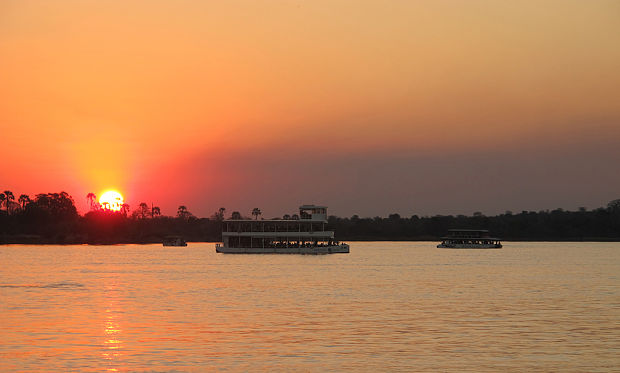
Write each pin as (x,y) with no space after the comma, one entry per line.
(306,233)
(469,239)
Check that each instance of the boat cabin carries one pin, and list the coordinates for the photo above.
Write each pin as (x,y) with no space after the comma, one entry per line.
(469,239)
(312,212)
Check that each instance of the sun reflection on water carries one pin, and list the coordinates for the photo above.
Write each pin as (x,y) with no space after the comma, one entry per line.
(112,331)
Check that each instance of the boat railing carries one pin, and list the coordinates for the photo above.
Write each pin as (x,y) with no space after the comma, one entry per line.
(268,226)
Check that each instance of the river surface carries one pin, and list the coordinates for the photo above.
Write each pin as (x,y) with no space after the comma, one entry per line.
(386,306)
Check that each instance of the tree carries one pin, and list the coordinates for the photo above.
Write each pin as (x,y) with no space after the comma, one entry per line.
(611,206)
(143,210)
(219,215)
(236,215)
(183,212)
(56,205)
(23,200)
(8,198)
(91,197)
(124,209)
(286,217)
(2,199)
(155,211)
(256,212)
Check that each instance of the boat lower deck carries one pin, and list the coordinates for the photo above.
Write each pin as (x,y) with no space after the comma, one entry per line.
(310,250)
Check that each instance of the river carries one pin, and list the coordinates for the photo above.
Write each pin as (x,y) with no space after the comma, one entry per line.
(386,306)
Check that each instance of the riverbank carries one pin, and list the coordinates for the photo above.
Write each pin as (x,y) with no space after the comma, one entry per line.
(30,239)
(41,225)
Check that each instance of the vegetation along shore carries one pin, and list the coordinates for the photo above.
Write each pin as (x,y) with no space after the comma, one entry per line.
(51,218)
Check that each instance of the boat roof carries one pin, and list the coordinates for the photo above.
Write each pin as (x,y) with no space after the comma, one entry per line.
(471,238)
(276,220)
(304,207)
(468,230)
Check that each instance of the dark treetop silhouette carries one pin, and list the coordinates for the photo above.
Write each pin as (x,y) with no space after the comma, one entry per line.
(53,218)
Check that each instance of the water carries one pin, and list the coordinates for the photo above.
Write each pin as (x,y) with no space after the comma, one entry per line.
(385,307)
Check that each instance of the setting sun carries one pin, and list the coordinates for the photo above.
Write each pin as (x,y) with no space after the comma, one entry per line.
(111,200)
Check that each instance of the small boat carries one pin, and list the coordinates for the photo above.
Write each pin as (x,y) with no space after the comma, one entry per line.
(469,239)
(174,241)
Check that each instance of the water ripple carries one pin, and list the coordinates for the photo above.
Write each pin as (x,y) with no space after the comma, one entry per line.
(55,285)
(387,306)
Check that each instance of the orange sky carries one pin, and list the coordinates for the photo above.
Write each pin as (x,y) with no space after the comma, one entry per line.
(124,94)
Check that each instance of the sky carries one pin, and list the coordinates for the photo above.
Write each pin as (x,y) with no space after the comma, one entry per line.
(368,107)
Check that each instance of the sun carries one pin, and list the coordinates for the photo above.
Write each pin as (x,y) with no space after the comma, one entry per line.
(111,200)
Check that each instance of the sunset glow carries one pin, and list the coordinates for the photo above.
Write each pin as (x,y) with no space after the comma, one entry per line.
(309,185)
(111,200)
(189,104)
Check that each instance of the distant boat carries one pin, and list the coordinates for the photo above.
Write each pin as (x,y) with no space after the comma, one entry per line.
(308,234)
(469,239)
(174,241)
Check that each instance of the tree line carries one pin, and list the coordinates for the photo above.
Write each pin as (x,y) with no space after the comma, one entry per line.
(53,218)
(601,224)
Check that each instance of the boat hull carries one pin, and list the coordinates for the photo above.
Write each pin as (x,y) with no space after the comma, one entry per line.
(313,250)
(469,246)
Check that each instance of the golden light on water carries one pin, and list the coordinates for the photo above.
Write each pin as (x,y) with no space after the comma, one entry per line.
(112,343)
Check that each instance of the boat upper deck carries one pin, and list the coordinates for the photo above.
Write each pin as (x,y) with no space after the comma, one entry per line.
(311,221)
(311,218)
(469,234)
(276,225)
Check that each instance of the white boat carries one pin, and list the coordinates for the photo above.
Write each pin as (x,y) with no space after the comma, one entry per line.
(174,241)
(469,239)
(306,233)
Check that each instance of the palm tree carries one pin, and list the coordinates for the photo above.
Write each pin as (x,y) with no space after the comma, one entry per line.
(182,212)
(24,199)
(91,197)
(219,214)
(256,212)
(9,197)
(143,210)
(124,209)
(155,211)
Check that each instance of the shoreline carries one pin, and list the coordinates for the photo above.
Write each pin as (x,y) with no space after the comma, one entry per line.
(5,241)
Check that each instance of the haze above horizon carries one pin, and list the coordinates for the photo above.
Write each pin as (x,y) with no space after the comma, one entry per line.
(370,108)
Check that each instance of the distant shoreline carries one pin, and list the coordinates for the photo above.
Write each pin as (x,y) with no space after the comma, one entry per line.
(52,219)
(5,241)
